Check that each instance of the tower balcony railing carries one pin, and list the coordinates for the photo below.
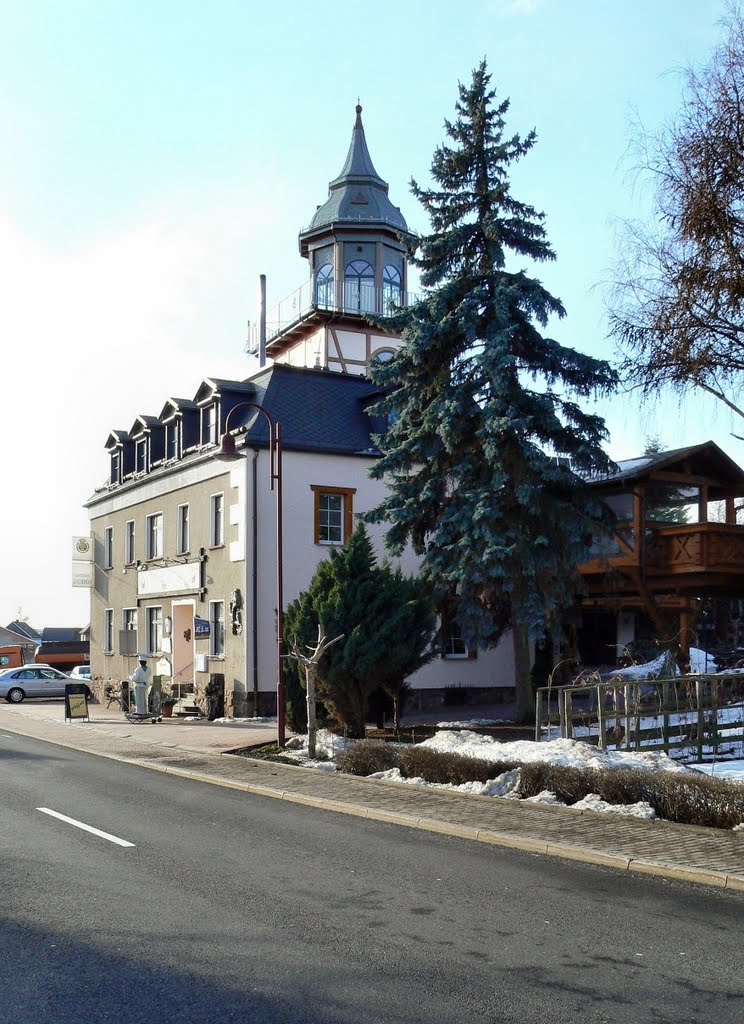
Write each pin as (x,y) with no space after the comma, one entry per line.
(350,298)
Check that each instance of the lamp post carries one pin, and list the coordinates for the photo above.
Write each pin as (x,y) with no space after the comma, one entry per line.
(229,453)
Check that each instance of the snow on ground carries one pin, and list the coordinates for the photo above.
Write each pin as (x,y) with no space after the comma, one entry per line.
(723,770)
(569,753)
(473,723)
(701,663)
(593,802)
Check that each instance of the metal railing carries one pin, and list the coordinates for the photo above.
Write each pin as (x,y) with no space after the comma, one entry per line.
(344,296)
(691,717)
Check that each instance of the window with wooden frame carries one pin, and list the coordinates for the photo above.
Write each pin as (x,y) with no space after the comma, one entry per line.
(333,520)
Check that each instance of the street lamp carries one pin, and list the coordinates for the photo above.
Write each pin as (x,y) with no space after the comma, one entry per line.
(228,453)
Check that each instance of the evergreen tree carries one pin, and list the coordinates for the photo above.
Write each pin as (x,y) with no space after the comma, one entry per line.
(387,621)
(482,409)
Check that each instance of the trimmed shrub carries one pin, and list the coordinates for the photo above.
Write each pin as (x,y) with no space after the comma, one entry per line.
(365,757)
(675,796)
(448,769)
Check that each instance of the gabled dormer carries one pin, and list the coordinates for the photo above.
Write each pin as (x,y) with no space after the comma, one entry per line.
(120,447)
(147,437)
(215,399)
(180,419)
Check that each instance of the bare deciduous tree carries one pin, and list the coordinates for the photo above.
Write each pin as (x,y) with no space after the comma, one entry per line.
(677,307)
(310,663)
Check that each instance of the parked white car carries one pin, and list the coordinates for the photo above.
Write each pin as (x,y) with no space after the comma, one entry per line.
(80,672)
(33,681)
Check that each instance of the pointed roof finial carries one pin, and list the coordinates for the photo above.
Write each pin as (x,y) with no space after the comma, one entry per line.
(358,122)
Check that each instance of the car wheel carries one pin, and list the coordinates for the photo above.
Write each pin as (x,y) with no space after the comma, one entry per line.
(15,696)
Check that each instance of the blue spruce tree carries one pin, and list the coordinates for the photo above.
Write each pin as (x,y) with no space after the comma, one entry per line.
(483,409)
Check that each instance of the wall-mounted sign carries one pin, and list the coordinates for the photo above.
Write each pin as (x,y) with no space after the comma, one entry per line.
(83,574)
(163,668)
(82,549)
(201,627)
(155,581)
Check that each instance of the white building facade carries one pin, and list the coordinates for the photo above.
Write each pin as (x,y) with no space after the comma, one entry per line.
(185,545)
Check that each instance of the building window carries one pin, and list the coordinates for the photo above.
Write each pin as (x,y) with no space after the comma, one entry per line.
(108,547)
(115,477)
(216,520)
(333,514)
(324,287)
(129,555)
(140,457)
(453,645)
(154,536)
(217,629)
(172,447)
(209,424)
(182,538)
(154,622)
(391,288)
(359,287)
(128,645)
(108,631)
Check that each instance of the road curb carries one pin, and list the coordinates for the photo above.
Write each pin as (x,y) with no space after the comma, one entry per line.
(491,837)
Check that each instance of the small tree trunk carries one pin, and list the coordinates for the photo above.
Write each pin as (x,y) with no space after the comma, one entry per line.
(396,712)
(525,699)
(312,724)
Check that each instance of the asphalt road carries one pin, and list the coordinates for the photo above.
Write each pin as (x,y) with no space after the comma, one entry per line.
(230,907)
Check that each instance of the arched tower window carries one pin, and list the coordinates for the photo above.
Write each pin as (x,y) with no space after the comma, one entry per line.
(391,288)
(359,287)
(324,287)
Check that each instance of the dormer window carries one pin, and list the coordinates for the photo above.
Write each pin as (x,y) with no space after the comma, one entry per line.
(324,287)
(140,456)
(172,439)
(359,287)
(209,424)
(115,477)
(391,288)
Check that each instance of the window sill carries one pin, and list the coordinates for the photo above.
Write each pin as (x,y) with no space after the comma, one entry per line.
(216,547)
(456,657)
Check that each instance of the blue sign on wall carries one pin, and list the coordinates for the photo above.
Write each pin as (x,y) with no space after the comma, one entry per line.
(201,627)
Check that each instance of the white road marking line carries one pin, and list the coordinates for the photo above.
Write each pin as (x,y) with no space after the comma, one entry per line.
(87,828)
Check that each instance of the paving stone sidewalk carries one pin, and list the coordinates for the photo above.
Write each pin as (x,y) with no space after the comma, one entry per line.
(198,751)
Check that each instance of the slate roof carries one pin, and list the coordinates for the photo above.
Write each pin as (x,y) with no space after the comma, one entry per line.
(319,410)
(358,195)
(24,630)
(60,634)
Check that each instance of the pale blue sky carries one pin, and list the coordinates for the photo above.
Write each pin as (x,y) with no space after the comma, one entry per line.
(156,157)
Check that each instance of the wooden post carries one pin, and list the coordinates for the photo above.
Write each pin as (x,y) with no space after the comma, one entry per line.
(626,690)
(665,715)
(601,724)
(569,715)
(538,713)
(700,717)
(562,712)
